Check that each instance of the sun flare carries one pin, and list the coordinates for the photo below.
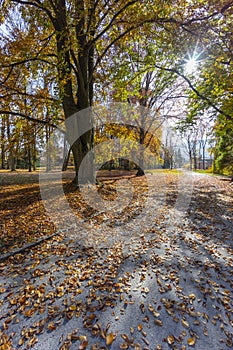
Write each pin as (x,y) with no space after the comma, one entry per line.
(191,65)
(193,61)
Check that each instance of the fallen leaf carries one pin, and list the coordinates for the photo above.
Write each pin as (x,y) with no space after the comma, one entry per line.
(21,342)
(32,342)
(170,339)
(110,338)
(51,326)
(131,330)
(83,345)
(191,341)
(185,323)
(192,296)
(140,327)
(158,322)
(73,307)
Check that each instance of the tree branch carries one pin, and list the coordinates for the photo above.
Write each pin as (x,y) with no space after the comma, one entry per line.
(7,77)
(36,4)
(226,7)
(200,95)
(27,117)
(144,22)
(25,61)
(113,20)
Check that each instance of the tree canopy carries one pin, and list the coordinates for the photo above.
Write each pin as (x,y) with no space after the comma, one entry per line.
(59,57)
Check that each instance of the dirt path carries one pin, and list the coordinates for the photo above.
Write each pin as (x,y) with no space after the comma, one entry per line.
(157,275)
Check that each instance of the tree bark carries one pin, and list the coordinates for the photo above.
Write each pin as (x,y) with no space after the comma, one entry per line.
(3,143)
(29,158)
(82,146)
(66,155)
(140,171)
(203,157)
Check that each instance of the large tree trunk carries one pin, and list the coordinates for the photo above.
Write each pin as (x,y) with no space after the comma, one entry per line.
(84,160)
(140,171)
(34,149)
(80,137)
(29,158)
(203,157)
(66,154)
(81,143)
(194,159)
(190,154)
(48,157)
(12,160)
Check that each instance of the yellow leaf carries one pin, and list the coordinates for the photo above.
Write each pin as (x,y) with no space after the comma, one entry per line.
(13,301)
(109,338)
(140,327)
(72,307)
(51,326)
(159,322)
(185,323)
(124,336)
(91,317)
(29,313)
(191,341)
(150,308)
(32,341)
(192,296)
(21,342)
(82,338)
(5,347)
(156,314)
(170,339)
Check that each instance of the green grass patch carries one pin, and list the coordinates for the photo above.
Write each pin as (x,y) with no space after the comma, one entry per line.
(164,171)
(201,171)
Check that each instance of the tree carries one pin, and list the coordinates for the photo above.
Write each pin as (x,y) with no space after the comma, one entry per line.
(138,82)
(212,85)
(223,150)
(3,141)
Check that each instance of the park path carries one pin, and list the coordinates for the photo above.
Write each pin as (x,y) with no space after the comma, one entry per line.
(158,276)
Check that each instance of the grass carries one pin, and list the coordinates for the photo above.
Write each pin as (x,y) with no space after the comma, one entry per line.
(201,171)
(165,171)
(210,172)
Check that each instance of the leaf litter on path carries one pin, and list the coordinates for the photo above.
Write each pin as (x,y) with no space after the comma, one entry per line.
(160,289)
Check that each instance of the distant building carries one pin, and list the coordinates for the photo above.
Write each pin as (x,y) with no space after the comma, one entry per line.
(204,164)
